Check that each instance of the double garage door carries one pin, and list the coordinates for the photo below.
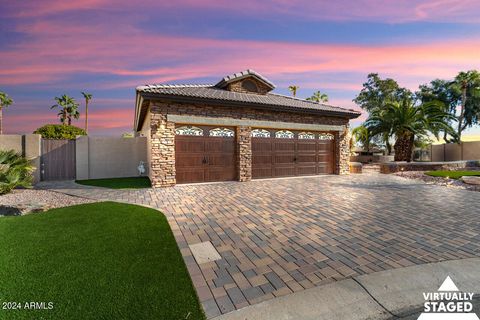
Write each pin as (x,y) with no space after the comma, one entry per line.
(208,153)
(283,153)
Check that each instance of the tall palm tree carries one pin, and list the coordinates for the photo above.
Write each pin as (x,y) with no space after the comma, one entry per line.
(68,109)
(293,89)
(88,97)
(465,82)
(318,97)
(5,102)
(406,121)
(362,134)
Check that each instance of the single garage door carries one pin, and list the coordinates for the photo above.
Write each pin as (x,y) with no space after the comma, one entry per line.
(283,153)
(204,154)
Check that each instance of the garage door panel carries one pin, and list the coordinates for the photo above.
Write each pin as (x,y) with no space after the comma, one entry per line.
(306,158)
(189,160)
(261,145)
(222,160)
(324,169)
(189,145)
(304,170)
(306,146)
(190,175)
(284,171)
(204,158)
(284,145)
(221,145)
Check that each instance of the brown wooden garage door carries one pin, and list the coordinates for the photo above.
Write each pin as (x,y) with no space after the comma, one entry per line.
(204,154)
(283,153)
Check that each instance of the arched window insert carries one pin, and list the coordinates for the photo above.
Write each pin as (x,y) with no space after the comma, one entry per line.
(189,131)
(306,136)
(249,85)
(326,136)
(284,134)
(260,133)
(221,132)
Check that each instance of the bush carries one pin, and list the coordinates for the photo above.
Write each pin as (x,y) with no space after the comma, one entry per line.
(15,171)
(60,131)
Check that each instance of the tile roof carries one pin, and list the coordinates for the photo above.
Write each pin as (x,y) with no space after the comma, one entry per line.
(211,92)
(240,75)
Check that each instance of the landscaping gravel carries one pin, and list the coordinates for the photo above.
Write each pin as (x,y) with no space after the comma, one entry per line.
(451,183)
(27,201)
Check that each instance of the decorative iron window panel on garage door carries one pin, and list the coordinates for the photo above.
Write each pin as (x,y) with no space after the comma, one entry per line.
(306,136)
(326,136)
(188,131)
(260,133)
(284,134)
(222,132)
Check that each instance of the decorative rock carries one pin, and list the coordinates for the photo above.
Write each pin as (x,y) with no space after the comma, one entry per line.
(471,180)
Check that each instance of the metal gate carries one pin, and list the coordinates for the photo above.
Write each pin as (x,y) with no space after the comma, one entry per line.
(58,160)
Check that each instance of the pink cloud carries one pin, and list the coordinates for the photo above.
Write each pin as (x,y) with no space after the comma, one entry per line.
(391,11)
(126,53)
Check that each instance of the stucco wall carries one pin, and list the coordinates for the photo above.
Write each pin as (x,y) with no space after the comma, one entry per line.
(109,157)
(455,152)
(28,145)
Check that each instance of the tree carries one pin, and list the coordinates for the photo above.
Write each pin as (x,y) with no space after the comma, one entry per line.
(68,109)
(318,97)
(407,121)
(468,83)
(5,102)
(376,92)
(362,135)
(440,90)
(293,89)
(461,97)
(88,97)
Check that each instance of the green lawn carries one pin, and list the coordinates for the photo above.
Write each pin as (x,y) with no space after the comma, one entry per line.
(94,261)
(452,174)
(118,183)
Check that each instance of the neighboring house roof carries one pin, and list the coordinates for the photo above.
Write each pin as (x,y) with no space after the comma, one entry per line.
(216,95)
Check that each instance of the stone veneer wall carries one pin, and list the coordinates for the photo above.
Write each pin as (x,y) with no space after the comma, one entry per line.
(163,136)
(343,151)
(244,141)
(162,164)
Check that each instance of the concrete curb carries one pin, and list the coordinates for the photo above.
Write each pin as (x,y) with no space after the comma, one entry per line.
(381,295)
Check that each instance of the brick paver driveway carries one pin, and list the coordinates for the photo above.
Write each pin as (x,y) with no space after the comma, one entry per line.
(280,236)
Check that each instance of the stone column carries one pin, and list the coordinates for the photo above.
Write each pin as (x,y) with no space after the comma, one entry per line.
(162,150)
(244,142)
(343,151)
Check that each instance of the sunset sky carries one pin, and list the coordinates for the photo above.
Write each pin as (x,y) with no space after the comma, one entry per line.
(107,48)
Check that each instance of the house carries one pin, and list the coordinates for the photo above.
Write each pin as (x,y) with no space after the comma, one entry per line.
(239,130)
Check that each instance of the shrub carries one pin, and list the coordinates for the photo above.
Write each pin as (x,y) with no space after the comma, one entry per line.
(15,171)
(60,131)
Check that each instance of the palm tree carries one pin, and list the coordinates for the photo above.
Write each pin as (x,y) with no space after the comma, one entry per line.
(407,121)
(293,89)
(5,102)
(362,134)
(88,97)
(318,97)
(465,82)
(68,109)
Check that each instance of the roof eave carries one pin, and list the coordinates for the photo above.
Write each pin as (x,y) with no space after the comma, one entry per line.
(178,98)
